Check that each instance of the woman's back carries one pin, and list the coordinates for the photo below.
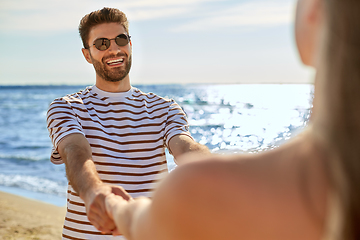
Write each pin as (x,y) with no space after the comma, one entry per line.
(280,194)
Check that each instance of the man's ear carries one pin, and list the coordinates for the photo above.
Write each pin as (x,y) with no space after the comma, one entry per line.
(86,53)
(130,47)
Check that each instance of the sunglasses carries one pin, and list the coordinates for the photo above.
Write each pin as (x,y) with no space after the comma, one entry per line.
(103,43)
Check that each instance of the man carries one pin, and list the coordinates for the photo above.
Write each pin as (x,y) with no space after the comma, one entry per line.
(112,136)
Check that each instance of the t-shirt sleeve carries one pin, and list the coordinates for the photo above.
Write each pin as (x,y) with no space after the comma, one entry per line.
(176,123)
(61,122)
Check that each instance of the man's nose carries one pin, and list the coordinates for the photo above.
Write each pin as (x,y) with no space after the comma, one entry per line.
(113,46)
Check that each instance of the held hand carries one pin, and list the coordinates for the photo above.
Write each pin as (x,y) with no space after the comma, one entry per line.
(114,204)
(96,209)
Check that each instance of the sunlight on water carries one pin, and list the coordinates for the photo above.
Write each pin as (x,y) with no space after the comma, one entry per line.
(246,117)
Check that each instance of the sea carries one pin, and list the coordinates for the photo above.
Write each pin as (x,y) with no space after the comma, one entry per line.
(238,118)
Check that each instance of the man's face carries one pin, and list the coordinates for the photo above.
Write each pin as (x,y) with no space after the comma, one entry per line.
(114,63)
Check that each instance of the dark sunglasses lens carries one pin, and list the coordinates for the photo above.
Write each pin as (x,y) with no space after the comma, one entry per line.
(122,40)
(102,44)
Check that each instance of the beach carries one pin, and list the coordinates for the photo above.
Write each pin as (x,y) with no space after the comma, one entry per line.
(23,218)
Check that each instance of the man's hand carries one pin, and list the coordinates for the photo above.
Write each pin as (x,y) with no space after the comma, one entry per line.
(96,208)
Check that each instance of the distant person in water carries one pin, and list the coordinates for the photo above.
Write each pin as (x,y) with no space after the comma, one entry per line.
(111,136)
(309,188)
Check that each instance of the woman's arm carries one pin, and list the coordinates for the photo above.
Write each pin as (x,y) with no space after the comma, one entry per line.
(128,215)
(168,215)
(181,207)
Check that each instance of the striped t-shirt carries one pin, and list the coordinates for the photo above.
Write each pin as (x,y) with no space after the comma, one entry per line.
(127,132)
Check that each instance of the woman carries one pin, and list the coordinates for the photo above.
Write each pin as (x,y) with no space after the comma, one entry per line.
(306,189)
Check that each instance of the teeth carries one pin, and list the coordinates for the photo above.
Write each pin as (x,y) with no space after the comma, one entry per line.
(115,61)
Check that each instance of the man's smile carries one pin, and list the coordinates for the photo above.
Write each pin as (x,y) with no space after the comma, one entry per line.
(115,62)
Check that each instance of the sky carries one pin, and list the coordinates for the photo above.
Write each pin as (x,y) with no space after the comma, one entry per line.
(174,41)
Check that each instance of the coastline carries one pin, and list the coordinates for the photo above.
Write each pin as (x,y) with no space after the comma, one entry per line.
(24,218)
(59,201)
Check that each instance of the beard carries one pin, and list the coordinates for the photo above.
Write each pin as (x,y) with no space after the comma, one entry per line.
(114,74)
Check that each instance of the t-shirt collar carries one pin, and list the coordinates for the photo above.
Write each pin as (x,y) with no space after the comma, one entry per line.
(112,95)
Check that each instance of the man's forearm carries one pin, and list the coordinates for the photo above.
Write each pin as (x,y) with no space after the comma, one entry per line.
(183,144)
(80,169)
(82,175)
(198,148)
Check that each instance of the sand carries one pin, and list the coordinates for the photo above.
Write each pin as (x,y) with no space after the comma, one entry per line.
(22,218)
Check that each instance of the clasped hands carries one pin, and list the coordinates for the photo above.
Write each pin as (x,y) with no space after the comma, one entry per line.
(98,204)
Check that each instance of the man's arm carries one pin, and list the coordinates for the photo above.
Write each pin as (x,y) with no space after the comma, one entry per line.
(76,153)
(181,144)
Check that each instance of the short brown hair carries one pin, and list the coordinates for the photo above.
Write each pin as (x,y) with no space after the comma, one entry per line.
(105,15)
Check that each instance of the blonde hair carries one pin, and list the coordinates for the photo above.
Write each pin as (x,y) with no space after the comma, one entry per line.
(341,87)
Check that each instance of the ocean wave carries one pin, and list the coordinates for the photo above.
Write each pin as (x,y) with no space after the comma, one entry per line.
(25,157)
(34,184)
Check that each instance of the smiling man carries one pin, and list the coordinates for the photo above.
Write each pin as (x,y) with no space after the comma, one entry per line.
(111,136)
